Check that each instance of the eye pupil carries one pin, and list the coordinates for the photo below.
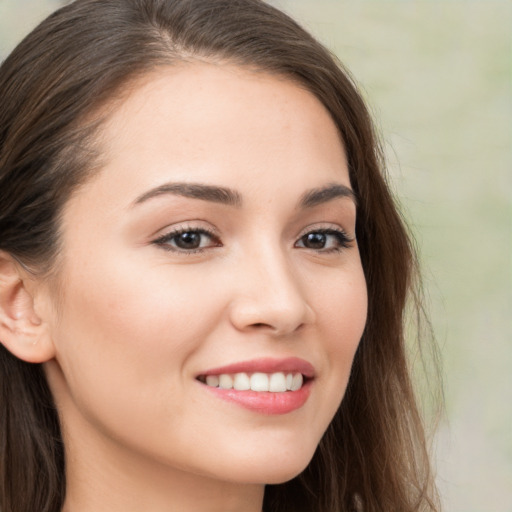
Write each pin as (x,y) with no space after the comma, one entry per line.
(315,240)
(188,240)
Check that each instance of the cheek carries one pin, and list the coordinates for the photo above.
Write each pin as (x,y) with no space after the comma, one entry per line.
(126,335)
(347,316)
(343,310)
(120,307)
(342,307)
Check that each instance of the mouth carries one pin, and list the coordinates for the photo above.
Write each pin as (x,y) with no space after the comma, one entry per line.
(278,382)
(268,386)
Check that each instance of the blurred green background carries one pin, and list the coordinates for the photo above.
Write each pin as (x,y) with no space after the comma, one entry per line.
(438,76)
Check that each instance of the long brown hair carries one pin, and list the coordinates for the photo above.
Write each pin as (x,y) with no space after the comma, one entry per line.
(373,456)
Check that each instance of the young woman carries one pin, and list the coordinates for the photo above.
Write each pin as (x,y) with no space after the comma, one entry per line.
(203,275)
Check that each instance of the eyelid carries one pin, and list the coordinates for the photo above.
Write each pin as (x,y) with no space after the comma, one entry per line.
(325,227)
(344,240)
(163,240)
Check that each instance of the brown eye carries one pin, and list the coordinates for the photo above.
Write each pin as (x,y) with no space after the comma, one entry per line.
(324,240)
(188,241)
(314,240)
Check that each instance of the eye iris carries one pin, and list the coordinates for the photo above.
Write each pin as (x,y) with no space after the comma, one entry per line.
(315,240)
(188,240)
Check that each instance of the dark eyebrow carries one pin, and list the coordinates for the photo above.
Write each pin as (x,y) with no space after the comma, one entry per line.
(195,191)
(231,197)
(324,194)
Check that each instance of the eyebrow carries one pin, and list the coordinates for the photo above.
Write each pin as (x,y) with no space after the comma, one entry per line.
(231,197)
(211,193)
(325,194)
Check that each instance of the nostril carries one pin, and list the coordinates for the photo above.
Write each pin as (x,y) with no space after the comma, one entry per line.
(279,317)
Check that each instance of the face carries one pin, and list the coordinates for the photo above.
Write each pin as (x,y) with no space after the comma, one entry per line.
(216,247)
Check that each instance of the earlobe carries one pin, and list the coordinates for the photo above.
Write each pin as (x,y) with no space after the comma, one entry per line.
(22,331)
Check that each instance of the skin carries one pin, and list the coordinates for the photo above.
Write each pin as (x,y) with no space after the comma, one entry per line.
(136,322)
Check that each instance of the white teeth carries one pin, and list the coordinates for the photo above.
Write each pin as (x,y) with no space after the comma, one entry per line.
(225,381)
(241,382)
(259,382)
(278,382)
(296,382)
(212,380)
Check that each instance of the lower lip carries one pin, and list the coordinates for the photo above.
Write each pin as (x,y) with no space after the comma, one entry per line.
(265,402)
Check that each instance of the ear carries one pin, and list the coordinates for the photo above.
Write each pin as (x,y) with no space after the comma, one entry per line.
(22,331)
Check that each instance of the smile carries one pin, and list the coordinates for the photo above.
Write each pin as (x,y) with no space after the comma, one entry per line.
(278,382)
(265,386)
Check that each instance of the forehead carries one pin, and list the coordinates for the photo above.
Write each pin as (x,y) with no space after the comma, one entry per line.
(220,123)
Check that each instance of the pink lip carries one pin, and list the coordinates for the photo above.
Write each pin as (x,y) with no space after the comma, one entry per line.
(265,402)
(266,365)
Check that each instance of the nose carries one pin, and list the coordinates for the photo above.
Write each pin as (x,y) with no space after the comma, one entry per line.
(269,297)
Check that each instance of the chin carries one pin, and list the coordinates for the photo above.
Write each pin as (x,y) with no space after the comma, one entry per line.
(282,477)
(274,469)
(268,475)
(266,456)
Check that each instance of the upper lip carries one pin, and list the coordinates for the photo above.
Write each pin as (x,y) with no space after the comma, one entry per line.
(266,365)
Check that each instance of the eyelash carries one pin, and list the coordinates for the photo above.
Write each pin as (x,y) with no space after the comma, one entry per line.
(164,240)
(343,240)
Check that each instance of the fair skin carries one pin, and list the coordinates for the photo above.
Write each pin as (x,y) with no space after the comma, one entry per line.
(144,315)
